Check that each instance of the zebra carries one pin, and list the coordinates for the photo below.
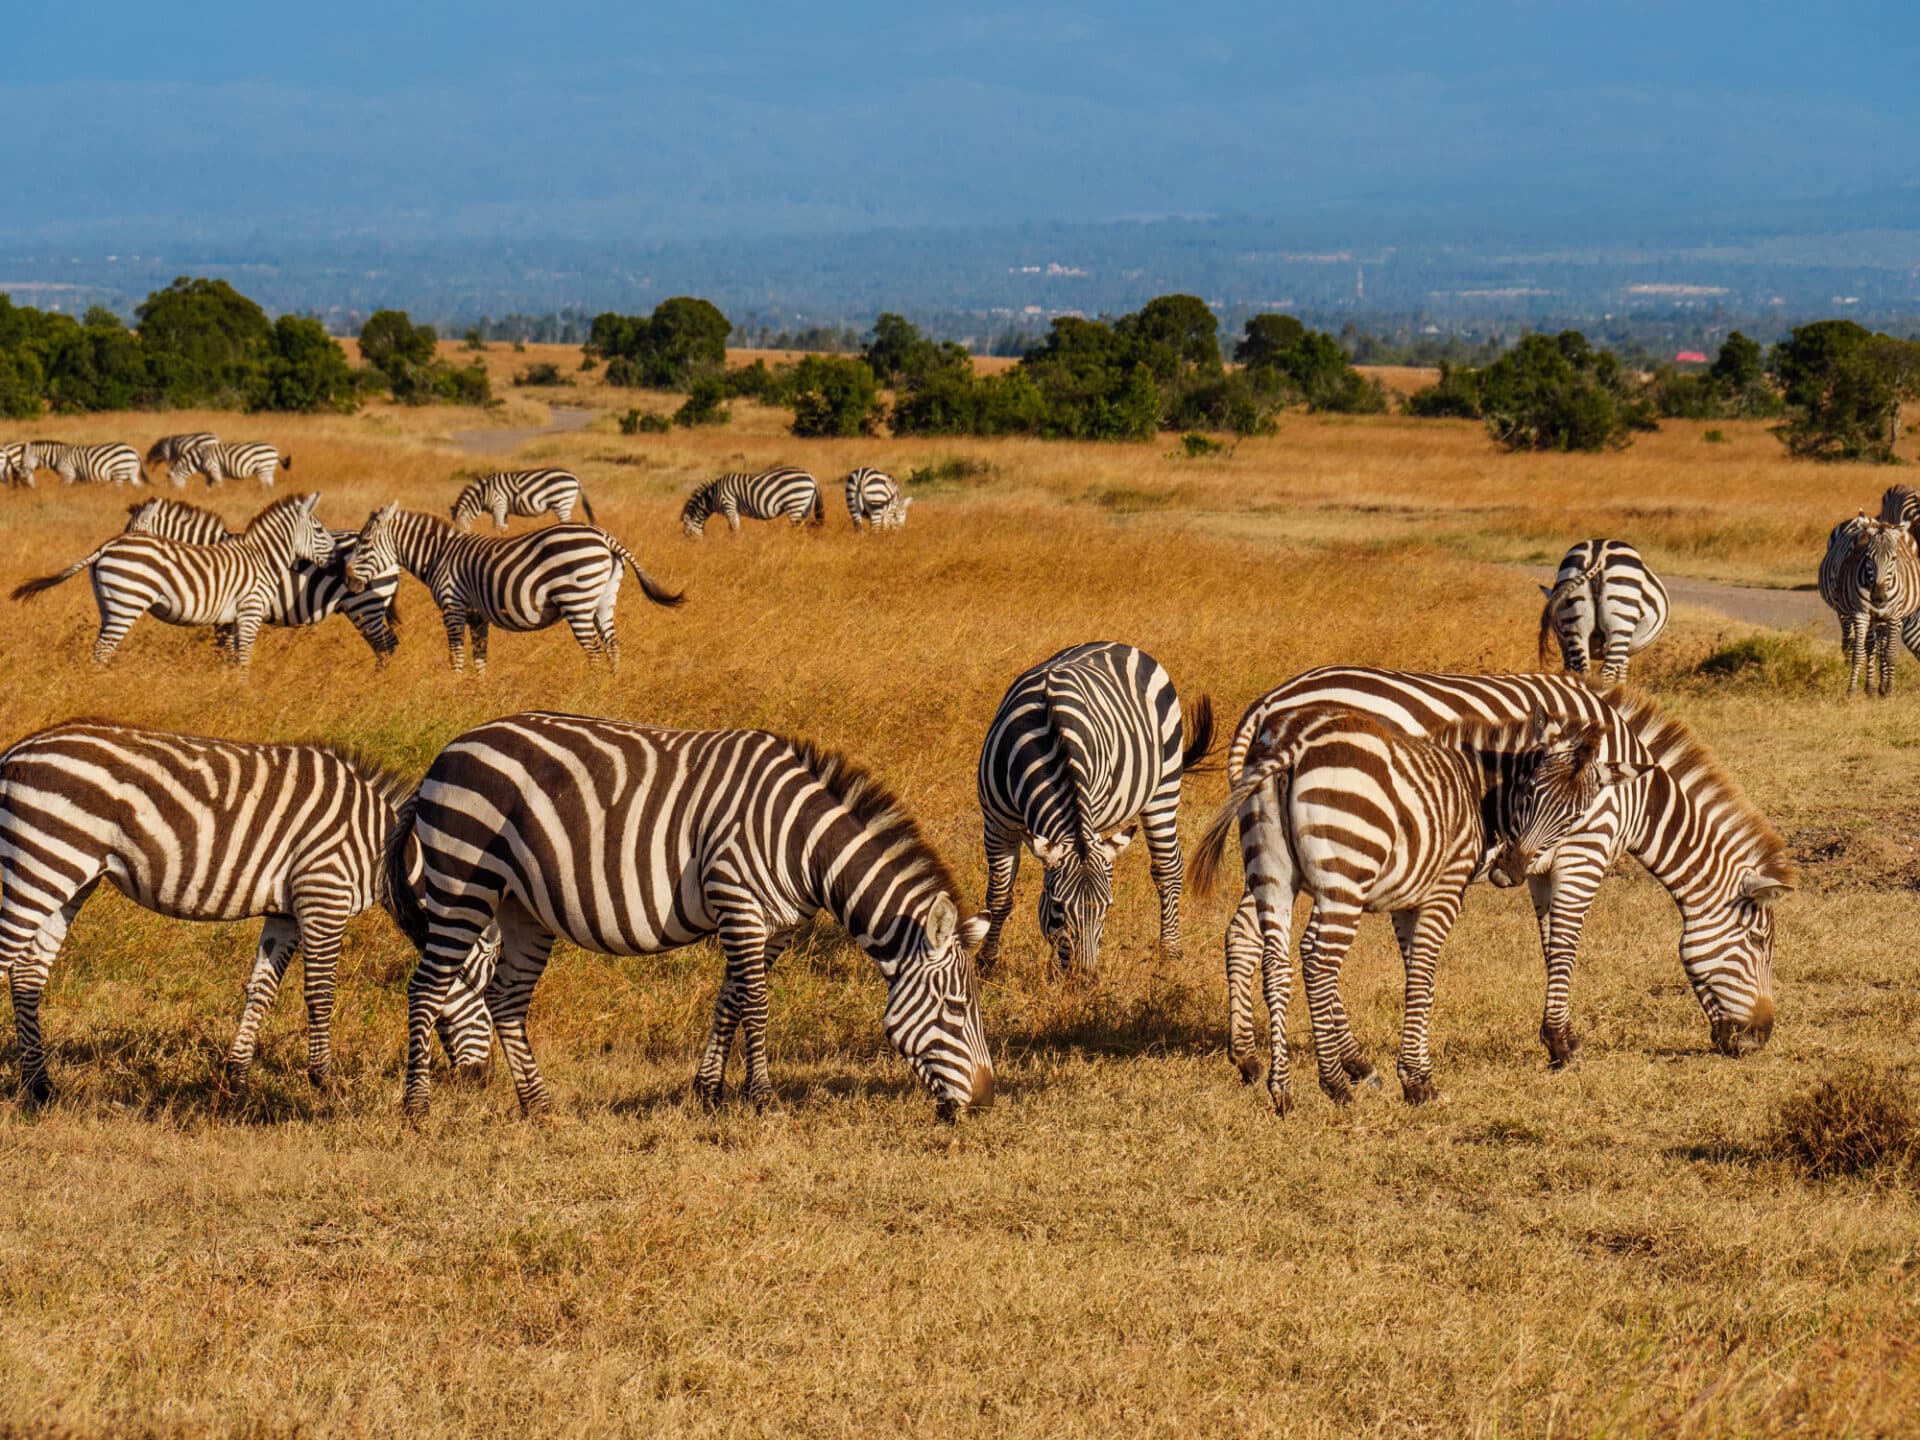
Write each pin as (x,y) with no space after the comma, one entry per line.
(1347,808)
(1085,746)
(10,473)
(633,840)
(874,496)
(521,492)
(1870,579)
(232,583)
(765,496)
(169,448)
(204,829)
(306,594)
(114,463)
(1604,597)
(1687,822)
(1901,506)
(219,460)
(523,582)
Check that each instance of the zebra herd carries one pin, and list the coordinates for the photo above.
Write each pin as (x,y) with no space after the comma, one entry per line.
(183,457)
(874,500)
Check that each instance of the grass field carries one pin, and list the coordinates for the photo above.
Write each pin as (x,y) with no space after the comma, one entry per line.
(1128,1243)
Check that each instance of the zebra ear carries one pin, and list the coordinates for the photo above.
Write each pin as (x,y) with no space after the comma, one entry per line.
(1546,728)
(1049,852)
(1546,590)
(1114,844)
(973,930)
(1618,772)
(1762,889)
(942,919)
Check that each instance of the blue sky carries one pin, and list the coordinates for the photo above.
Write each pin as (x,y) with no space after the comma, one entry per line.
(607,121)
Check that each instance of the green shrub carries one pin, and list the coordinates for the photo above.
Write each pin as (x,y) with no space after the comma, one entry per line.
(705,405)
(1455,396)
(683,338)
(1196,446)
(1556,392)
(644,422)
(834,395)
(1715,437)
(954,470)
(541,372)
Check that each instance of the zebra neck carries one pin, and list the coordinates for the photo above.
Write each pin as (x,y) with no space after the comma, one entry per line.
(420,542)
(1684,841)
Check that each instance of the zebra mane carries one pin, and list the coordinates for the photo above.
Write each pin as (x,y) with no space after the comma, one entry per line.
(1900,505)
(700,503)
(392,787)
(1474,732)
(1678,752)
(876,807)
(285,502)
(167,502)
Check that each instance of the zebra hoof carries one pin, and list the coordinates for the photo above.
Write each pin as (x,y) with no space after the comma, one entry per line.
(36,1092)
(1563,1047)
(1418,1089)
(1360,1070)
(415,1107)
(706,1096)
(1282,1098)
(1249,1068)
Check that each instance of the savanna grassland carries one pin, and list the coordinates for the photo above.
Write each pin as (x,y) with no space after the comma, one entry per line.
(1128,1243)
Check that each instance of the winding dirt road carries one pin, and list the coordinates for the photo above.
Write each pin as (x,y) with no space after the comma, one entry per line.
(498,442)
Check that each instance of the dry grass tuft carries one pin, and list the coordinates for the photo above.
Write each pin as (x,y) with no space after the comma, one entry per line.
(1859,1118)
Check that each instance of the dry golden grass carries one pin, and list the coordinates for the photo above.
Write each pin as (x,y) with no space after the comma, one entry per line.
(1127,1243)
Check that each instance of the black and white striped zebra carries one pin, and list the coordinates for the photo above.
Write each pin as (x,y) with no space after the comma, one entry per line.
(108,464)
(1603,601)
(632,840)
(521,492)
(1686,822)
(874,498)
(307,594)
(202,829)
(1348,809)
(523,582)
(221,460)
(232,583)
(10,472)
(169,448)
(767,495)
(1870,579)
(1085,745)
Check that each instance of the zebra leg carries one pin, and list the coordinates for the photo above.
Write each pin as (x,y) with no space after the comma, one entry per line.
(482,632)
(1560,901)
(603,625)
(525,947)
(1910,634)
(500,514)
(1164,863)
(732,512)
(1003,865)
(1243,949)
(746,943)
(1421,933)
(1856,638)
(1883,654)
(246,627)
(30,937)
(322,920)
(117,614)
(278,937)
(456,622)
(1618,653)
(1272,885)
(1337,1054)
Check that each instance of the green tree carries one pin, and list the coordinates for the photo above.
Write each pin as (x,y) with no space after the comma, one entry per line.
(1556,392)
(405,354)
(20,385)
(1267,338)
(204,342)
(307,371)
(684,337)
(706,403)
(1843,386)
(1456,395)
(1174,335)
(834,395)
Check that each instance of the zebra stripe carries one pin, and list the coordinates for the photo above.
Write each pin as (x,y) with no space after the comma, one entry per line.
(1870,579)
(232,583)
(1361,816)
(1603,599)
(874,496)
(112,464)
(1084,745)
(169,448)
(1688,823)
(200,829)
(218,461)
(521,492)
(764,496)
(524,582)
(631,840)
(306,594)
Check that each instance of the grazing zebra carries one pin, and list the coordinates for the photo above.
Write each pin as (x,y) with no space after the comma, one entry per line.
(521,492)
(201,829)
(1345,807)
(632,840)
(169,448)
(765,496)
(1870,579)
(1604,599)
(110,464)
(9,470)
(218,461)
(874,496)
(306,594)
(1085,745)
(525,582)
(232,583)
(1687,822)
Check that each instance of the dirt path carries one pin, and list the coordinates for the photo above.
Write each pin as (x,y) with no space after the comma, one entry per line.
(498,442)
(1754,604)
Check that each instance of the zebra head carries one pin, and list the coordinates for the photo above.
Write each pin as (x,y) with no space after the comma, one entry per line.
(1075,891)
(467,506)
(142,519)
(375,552)
(693,515)
(292,522)
(21,461)
(933,1007)
(1727,951)
(1879,571)
(1553,786)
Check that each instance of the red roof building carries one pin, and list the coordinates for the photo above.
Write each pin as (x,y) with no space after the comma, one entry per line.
(1690,357)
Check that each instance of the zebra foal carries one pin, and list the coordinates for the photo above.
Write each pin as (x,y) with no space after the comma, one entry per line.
(1085,746)
(521,492)
(306,594)
(231,583)
(1603,600)
(110,464)
(202,829)
(874,497)
(1361,816)
(764,496)
(523,582)
(633,840)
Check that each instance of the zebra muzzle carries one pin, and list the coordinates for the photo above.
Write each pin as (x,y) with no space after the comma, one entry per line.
(980,1088)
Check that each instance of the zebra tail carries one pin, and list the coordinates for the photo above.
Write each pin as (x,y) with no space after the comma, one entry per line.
(587,507)
(46,582)
(819,510)
(286,462)
(401,901)
(1206,855)
(1199,738)
(654,591)
(1546,629)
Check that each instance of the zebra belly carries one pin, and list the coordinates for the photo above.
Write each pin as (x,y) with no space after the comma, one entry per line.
(178,899)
